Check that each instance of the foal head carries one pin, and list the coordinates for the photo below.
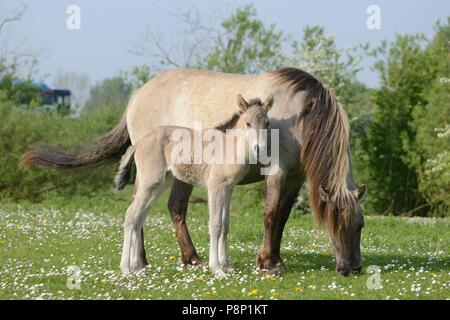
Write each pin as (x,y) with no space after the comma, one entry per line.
(253,119)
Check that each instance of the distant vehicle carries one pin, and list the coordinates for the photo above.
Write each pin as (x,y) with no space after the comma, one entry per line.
(54,99)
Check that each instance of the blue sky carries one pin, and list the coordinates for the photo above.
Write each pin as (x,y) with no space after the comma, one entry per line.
(109,28)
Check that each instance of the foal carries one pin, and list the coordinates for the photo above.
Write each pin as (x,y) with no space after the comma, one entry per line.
(158,152)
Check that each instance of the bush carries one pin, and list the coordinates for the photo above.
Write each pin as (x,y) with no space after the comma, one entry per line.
(20,129)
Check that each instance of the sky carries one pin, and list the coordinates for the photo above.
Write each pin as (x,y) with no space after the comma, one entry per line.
(109,29)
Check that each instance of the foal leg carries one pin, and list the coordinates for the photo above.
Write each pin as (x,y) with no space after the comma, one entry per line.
(215,201)
(138,246)
(142,254)
(224,258)
(134,221)
(178,205)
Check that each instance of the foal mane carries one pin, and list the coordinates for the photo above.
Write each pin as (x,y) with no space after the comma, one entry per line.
(231,123)
(325,146)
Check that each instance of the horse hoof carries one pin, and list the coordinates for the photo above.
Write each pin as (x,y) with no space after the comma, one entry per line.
(125,270)
(270,267)
(193,260)
(218,271)
(228,268)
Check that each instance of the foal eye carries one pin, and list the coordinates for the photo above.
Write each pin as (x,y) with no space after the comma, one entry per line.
(248,125)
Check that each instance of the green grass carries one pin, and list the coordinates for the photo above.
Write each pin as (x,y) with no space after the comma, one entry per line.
(38,242)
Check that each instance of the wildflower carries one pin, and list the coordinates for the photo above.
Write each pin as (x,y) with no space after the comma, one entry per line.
(254,292)
(274,293)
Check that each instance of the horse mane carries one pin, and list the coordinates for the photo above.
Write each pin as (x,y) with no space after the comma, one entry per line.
(325,146)
(231,123)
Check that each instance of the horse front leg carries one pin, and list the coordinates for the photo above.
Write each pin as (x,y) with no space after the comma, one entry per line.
(287,200)
(267,258)
(224,258)
(216,199)
(178,206)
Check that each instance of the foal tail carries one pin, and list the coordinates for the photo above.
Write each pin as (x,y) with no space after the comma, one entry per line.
(108,147)
(123,175)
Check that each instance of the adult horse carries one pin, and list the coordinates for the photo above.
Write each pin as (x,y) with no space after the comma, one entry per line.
(314,145)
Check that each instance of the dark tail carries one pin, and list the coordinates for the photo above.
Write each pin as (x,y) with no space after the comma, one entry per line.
(124,174)
(108,147)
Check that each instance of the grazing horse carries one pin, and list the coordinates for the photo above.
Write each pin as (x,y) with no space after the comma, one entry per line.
(158,152)
(313,145)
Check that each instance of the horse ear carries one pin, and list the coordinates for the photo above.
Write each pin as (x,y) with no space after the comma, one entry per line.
(324,193)
(268,103)
(242,104)
(360,192)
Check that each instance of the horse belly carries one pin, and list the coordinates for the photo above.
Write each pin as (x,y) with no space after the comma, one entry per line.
(194,174)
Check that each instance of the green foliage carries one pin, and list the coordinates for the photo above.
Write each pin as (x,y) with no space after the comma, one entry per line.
(137,77)
(411,104)
(20,129)
(431,154)
(113,92)
(23,93)
(247,46)
(336,67)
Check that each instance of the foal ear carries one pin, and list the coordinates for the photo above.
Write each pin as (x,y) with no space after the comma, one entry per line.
(242,104)
(360,192)
(268,103)
(324,193)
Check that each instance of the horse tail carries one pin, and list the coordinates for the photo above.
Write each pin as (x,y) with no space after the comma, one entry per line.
(108,147)
(123,175)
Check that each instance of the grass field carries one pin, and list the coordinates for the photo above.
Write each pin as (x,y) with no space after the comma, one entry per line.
(39,243)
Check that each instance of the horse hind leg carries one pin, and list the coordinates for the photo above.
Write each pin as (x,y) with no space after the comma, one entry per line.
(178,206)
(142,254)
(145,197)
(215,201)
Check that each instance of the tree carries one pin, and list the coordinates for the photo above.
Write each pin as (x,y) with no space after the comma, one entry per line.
(113,92)
(430,153)
(245,45)
(410,106)
(240,44)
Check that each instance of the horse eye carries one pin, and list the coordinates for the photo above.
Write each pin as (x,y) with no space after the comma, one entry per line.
(248,125)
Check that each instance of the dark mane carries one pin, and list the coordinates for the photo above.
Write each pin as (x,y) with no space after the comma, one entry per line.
(325,145)
(230,123)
